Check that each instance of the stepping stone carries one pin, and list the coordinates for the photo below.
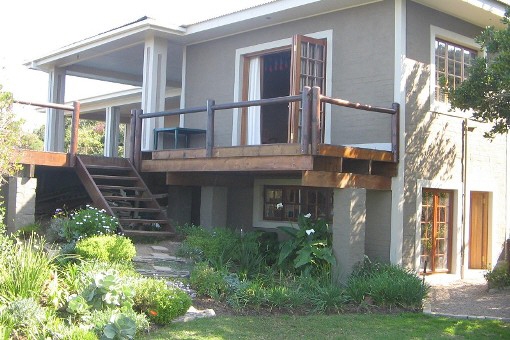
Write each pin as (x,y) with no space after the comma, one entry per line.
(159,248)
(161,256)
(194,313)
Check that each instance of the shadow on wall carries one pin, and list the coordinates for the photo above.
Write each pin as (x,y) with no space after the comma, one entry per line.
(433,143)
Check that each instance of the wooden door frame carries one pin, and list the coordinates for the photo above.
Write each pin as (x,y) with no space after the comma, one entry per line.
(485,229)
(436,193)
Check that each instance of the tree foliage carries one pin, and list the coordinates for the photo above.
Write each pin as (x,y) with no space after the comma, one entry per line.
(487,90)
(10,132)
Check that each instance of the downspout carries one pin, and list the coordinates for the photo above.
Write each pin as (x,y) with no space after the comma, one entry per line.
(464,196)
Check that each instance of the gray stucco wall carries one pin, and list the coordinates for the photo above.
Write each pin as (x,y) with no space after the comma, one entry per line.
(434,141)
(362,64)
(378,225)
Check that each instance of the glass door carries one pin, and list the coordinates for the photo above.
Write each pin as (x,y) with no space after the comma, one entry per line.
(436,226)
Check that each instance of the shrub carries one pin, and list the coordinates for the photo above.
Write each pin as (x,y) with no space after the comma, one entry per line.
(498,277)
(108,248)
(386,284)
(27,318)
(159,302)
(87,222)
(208,281)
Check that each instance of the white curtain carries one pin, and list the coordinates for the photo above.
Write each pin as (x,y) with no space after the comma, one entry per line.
(254,111)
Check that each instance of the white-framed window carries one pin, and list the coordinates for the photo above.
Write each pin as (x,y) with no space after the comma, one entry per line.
(451,54)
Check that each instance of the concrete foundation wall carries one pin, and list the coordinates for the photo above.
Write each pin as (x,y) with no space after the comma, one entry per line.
(378,225)
(240,212)
(20,209)
(213,208)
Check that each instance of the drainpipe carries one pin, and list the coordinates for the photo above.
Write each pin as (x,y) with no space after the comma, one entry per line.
(464,196)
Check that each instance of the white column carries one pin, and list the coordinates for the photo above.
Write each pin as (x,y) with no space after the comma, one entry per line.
(55,129)
(127,140)
(154,85)
(349,219)
(111,138)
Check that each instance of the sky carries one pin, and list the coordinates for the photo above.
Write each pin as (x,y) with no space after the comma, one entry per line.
(31,28)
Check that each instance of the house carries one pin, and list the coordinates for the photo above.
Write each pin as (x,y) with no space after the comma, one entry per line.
(413,183)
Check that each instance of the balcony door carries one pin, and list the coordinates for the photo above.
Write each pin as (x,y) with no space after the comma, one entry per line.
(436,230)
(277,73)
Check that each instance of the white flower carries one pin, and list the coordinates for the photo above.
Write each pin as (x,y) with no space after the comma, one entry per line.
(309,232)
(279,206)
(308,216)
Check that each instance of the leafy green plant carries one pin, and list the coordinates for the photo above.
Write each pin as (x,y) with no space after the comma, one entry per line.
(121,327)
(107,290)
(499,277)
(159,302)
(107,248)
(208,281)
(218,246)
(100,320)
(309,248)
(88,222)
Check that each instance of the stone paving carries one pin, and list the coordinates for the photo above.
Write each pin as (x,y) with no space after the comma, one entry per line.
(466,298)
(157,261)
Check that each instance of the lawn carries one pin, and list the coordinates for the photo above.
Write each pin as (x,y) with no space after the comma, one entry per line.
(347,326)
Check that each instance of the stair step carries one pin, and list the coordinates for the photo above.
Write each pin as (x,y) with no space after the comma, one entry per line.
(148,233)
(119,187)
(128,198)
(113,177)
(108,167)
(141,221)
(136,209)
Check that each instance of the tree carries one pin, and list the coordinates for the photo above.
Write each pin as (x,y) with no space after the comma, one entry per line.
(487,90)
(10,132)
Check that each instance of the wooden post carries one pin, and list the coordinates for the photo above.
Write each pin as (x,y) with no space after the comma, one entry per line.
(316,117)
(306,119)
(132,136)
(209,135)
(137,153)
(75,124)
(395,132)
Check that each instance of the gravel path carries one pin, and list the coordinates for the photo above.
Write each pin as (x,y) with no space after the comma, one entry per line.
(450,295)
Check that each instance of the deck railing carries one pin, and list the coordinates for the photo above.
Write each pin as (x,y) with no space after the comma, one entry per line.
(75,123)
(311,135)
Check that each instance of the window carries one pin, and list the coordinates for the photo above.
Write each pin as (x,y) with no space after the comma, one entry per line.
(436,229)
(452,64)
(296,201)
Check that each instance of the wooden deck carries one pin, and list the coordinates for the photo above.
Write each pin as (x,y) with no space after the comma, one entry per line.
(333,166)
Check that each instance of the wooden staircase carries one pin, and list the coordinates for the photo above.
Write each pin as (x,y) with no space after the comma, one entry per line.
(114,185)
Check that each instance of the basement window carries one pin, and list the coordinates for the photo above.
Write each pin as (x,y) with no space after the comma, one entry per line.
(286,203)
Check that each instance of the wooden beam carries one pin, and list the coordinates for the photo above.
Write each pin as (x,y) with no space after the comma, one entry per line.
(323,163)
(384,169)
(235,151)
(208,179)
(263,163)
(357,153)
(342,180)
(44,158)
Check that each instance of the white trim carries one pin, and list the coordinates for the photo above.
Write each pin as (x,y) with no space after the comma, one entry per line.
(258,202)
(456,187)
(238,78)
(399,96)
(182,103)
(438,32)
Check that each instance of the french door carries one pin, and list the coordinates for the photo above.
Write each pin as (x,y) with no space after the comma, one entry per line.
(436,230)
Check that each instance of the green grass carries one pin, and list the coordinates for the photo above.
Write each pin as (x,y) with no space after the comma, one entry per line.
(347,326)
